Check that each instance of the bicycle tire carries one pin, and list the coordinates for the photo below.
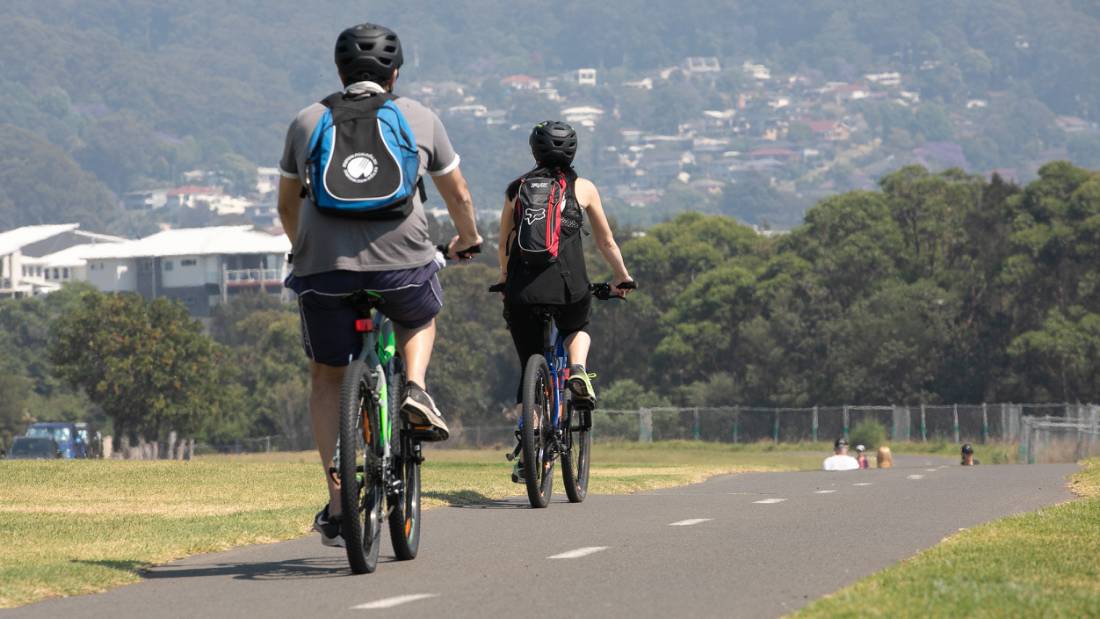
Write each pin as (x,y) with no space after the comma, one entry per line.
(360,499)
(404,519)
(577,459)
(538,467)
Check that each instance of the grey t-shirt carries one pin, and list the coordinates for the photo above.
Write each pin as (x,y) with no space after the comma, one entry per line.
(328,243)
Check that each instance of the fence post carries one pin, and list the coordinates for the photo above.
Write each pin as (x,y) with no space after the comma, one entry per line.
(775,427)
(1004,422)
(736,418)
(845,422)
(645,426)
(985,423)
(923,425)
(695,431)
(955,412)
(814,427)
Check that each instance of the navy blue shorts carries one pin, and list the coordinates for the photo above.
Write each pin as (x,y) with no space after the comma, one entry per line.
(411,299)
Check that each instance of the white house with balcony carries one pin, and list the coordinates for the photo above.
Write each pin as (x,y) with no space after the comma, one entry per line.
(200,267)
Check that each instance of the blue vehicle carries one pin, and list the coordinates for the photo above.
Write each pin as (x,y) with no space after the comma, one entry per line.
(71,441)
(27,448)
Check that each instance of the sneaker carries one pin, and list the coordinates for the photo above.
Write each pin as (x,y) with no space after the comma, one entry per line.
(517,472)
(420,411)
(580,385)
(329,528)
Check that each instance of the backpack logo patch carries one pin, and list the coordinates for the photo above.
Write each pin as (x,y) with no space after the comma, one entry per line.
(360,167)
(534,214)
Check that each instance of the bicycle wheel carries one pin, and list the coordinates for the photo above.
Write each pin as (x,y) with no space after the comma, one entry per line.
(538,398)
(578,453)
(360,480)
(404,517)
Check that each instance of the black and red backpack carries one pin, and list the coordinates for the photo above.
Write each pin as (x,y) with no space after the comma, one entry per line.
(540,200)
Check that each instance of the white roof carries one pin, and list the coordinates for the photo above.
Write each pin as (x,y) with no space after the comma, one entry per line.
(69,257)
(195,242)
(12,240)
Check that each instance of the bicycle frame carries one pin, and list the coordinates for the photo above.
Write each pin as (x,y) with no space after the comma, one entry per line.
(558,360)
(379,348)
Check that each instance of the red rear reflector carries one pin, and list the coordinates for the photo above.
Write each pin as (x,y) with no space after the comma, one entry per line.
(364,325)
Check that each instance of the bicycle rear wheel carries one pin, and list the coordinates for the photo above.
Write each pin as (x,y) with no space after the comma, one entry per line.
(538,398)
(578,453)
(404,520)
(360,447)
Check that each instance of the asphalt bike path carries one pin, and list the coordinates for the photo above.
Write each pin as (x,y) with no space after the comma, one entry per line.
(750,545)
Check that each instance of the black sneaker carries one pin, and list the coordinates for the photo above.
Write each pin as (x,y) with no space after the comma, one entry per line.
(420,411)
(329,528)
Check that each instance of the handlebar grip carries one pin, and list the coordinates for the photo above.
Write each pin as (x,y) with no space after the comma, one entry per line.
(463,254)
(630,285)
(497,287)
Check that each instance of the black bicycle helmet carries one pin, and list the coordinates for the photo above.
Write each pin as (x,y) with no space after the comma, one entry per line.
(553,143)
(368,52)
(840,442)
(967,449)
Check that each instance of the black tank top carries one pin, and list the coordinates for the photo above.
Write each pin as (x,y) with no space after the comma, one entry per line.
(564,281)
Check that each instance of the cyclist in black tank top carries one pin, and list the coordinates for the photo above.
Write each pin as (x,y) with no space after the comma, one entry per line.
(563,283)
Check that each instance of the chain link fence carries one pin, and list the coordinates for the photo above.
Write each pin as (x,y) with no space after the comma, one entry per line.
(1044,431)
(1060,439)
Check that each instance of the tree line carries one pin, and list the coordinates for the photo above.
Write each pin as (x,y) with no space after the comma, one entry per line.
(938,287)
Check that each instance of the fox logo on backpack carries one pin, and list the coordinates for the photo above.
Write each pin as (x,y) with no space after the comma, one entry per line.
(540,201)
(363,161)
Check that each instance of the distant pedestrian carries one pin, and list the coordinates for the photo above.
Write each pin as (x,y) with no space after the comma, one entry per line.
(840,460)
(968,455)
(861,457)
(884,458)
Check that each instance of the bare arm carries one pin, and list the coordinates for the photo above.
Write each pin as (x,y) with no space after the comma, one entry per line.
(589,198)
(290,203)
(456,194)
(506,224)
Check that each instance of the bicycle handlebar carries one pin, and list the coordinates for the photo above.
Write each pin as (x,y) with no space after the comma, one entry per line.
(601,291)
(463,254)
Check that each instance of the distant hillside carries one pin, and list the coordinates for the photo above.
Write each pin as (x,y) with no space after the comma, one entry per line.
(137,91)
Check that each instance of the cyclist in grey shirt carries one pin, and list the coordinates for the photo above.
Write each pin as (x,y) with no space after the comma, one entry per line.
(334,256)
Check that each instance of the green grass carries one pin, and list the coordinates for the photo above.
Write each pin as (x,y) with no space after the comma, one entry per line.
(1041,564)
(71,527)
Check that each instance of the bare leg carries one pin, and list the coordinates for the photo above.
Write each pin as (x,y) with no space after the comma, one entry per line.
(577,345)
(324,417)
(416,349)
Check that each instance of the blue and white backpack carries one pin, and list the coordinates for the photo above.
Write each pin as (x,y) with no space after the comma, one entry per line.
(363,160)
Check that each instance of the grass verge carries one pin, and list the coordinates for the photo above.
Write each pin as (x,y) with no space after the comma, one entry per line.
(71,527)
(1041,564)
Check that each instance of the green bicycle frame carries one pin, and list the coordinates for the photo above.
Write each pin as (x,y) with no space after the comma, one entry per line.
(379,348)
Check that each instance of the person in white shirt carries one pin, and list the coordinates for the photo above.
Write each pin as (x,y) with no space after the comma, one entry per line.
(840,460)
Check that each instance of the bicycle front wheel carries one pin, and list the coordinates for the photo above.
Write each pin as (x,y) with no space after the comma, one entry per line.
(360,448)
(578,453)
(538,399)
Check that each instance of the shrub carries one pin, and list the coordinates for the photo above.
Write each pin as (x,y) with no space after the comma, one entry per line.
(869,433)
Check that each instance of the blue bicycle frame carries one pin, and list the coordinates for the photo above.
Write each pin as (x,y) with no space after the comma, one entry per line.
(558,361)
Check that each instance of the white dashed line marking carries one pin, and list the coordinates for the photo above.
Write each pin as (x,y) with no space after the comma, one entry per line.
(578,553)
(915,477)
(931,470)
(769,501)
(862,483)
(824,491)
(689,522)
(394,601)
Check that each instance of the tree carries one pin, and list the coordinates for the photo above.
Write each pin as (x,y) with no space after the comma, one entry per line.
(147,364)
